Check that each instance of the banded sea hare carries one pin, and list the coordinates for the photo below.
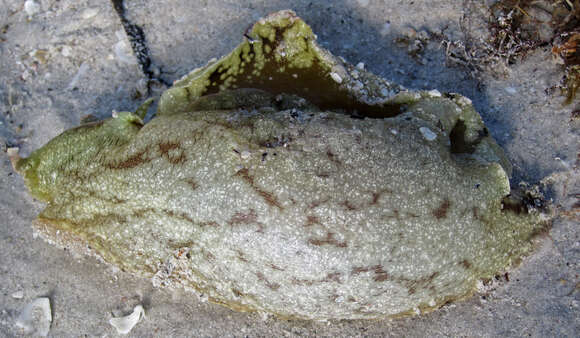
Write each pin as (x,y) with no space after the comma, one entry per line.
(282,179)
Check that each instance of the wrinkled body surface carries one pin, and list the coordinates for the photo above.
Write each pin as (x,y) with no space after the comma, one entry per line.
(293,210)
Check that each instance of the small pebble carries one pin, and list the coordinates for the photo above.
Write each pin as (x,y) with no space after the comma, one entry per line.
(40,55)
(31,7)
(434,93)
(463,101)
(360,66)
(89,13)
(428,134)
(511,90)
(12,151)
(66,51)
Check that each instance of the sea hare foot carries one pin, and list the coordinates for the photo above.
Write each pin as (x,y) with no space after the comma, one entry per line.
(282,179)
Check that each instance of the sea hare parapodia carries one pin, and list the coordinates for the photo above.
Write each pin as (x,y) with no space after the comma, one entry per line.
(281,179)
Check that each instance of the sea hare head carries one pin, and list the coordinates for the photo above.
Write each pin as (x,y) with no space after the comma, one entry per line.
(281,179)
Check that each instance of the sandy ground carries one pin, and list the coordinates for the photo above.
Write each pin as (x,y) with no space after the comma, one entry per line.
(72,58)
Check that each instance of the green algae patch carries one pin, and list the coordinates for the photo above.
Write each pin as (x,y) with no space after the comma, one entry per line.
(347,199)
(280,55)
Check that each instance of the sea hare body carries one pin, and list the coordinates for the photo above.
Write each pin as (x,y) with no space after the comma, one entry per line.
(281,179)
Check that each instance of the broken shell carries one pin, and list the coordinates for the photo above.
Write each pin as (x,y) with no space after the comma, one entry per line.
(303,197)
(36,317)
(124,325)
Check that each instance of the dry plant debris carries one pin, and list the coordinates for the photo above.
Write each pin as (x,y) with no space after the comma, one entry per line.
(517,27)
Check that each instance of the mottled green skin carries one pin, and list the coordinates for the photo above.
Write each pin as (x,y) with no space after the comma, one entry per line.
(283,57)
(286,209)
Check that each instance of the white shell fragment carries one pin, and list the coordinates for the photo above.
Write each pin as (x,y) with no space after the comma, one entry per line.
(463,101)
(434,93)
(31,7)
(13,151)
(18,294)
(90,13)
(427,134)
(125,324)
(511,90)
(36,317)
(336,77)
